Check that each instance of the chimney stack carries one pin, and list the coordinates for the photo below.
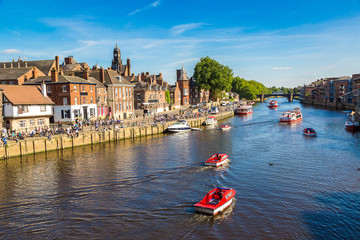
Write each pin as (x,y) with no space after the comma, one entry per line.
(4,65)
(11,65)
(61,73)
(43,89)
(54,75)
(25,63)
(57,63)
(18,64)
(85,74)
(34,73)
(142,76)
(102,75)
(128,66)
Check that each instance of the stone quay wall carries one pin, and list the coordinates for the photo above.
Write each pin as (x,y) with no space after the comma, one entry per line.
(60,142)
(332,105)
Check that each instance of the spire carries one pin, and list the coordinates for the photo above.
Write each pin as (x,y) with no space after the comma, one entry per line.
(183,74)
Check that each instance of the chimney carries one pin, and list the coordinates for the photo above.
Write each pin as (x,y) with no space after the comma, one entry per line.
(85,74)
(128,66)
(160,75)
(57,63)
(4,65)
(11,65)
(178,73)
(43,89)
(102,75)
(34,73)
(18,64)
(54,75)
(142,76)
(61,73)
(147,74)
(25,63)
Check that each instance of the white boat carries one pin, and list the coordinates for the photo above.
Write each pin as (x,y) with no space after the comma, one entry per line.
(179,126)
(244,109)
(210,121)
(291,116)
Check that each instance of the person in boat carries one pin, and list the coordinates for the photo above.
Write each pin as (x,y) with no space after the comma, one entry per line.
(219,193)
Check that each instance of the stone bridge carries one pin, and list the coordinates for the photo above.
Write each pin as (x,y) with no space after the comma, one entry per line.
(290,96)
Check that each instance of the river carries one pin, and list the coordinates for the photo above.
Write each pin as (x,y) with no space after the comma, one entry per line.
(146,188)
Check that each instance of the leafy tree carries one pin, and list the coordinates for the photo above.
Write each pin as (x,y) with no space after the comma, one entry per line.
(213,76)
(167,96)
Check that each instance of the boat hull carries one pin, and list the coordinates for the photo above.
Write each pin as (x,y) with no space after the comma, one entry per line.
(243,113)
(176,130)
(310,134)
(290,120)
(352,128)
(215,210)
(215,164)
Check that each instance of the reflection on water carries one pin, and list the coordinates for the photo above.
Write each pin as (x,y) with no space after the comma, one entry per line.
(146,188)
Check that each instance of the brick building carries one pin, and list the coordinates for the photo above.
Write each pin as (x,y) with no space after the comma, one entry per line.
(18,75)
(184,85)
(175,95)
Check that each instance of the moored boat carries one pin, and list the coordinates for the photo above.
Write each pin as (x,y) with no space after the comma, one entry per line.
(244,109)
(216,201)
(225,127)
(353,122)
(217,159)
(214,110)
(310,132)
(211,120)
(291,116)
(180,126)
(273,104)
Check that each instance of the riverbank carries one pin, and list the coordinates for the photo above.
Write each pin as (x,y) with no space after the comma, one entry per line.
(60,142)
(331,105)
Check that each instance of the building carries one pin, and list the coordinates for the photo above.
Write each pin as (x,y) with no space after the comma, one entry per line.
(44,66)
(118,66)
(18,75)
(197,95)
(175,96)
(70,66)
(184,86)
(74,97)
(120,92)
(26,107)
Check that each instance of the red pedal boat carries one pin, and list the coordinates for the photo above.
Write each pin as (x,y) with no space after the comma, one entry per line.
(225,127)
(217,159)
(217,200)
(309,132)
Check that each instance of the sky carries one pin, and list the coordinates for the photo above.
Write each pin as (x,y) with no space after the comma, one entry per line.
(278,43)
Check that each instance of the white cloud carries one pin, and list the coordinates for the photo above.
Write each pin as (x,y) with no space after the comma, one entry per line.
(178,29)
(281,68)
(11,51)
(151,5)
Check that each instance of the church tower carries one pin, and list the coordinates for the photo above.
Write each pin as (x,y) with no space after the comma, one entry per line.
(116,62)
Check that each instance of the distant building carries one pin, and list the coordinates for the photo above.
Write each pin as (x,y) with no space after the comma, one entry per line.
(18,75)
(183,82)
(117,64)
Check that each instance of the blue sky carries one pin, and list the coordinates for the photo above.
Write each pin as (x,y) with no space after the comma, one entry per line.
(282,43)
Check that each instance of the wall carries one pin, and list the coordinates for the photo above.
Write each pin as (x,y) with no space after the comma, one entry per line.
(37,145)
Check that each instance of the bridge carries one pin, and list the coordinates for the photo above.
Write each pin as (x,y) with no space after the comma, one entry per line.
(290,96)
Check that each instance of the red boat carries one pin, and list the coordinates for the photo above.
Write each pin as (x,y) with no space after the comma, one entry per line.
(225,127)
(217,159)
(273,104)
(353,123)
(291,116)
(310,132)
(217,200)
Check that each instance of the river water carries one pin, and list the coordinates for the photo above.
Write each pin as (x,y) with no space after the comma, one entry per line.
(146,189)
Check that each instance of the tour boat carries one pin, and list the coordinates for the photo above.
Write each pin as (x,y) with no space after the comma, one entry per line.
(217,159)
(179,126)
(353,122)
(214,110)
(225,127)
(215,201)
(211,120)
(273,104)
(291,116)
(309,132)
(244,109)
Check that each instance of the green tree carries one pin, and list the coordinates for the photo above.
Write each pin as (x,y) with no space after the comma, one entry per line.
(213,76)
(167,96)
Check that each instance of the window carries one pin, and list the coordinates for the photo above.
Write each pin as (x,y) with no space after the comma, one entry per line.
(98,90)
(48,89)
(76,113)
(65,102)
(91,100)
(22,124)
(42,108)
(41,122)
(127,92)
(32,123)
(186,91)
(104,90)
(23,109)
(138,96)
(127,105)
(84,100)
(65,114)
(121,107)
(83,88)
(99,99)
(130,105)
(116,92)
(91,88)
(117,106)
(92,111)
(76,101)
(123,92)
(64,88)
(75,88)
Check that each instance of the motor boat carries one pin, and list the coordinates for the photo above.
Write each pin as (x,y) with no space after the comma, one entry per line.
(214,110)
(291,116)
(353,122)
(309,132)
(179,126)
(211,120)
(215,201)
(273,104)
(225,127)
(244,109)
(217,159)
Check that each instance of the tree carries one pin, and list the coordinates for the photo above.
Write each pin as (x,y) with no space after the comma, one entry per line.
(213,76)
(167,96)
